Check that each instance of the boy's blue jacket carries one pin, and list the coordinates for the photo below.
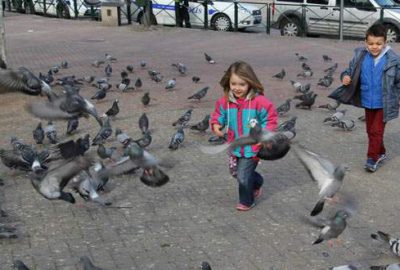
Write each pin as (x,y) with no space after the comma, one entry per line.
(390,83)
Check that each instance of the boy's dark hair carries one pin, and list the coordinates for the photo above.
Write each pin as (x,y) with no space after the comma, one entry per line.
(376,30)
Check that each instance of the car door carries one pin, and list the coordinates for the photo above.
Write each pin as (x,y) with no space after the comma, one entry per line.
(358,15)
(164,11)
(322,17)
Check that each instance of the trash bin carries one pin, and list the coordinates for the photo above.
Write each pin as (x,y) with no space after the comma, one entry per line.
(111,13)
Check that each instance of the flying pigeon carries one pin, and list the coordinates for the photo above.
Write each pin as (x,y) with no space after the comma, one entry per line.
(394,243)
(184,119)
(209,59)
(38,134)
(333,228)
(50,183)
(200,94)
(177,139)
(280,75)
(328,176)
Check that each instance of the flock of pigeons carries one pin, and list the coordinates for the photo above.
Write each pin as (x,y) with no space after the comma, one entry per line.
(86,165)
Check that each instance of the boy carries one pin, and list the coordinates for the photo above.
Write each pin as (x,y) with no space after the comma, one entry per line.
(374,73)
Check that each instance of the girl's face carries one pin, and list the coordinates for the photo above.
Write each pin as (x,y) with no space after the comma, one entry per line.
(239,87)
(375,45)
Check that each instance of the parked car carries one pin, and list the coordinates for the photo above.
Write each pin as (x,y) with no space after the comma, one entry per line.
(60,8)
(221,14)
(322,17)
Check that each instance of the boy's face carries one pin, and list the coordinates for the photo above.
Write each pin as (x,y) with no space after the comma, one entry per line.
(375,45)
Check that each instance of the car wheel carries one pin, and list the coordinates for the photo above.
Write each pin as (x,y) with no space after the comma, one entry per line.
(63,11)
(221,22)
(392,33)
(290,27)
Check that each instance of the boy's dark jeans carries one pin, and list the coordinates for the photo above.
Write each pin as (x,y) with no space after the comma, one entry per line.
(248,180)
(375,130)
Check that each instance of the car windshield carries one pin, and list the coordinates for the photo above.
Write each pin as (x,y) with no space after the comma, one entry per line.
(383,3)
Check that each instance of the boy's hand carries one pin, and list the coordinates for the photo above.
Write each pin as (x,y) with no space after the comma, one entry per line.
(346,80)
(217,130)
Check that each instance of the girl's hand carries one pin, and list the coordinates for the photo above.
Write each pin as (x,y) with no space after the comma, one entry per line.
(217,130)
(346,80)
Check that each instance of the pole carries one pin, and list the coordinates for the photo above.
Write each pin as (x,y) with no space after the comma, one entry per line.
(341,20)
(2,38)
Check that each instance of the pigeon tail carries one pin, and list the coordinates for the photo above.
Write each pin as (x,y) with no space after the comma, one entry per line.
(66,196)
(319,240)
(381,236)
(318,208)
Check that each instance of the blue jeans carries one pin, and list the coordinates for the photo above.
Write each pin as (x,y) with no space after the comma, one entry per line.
(248,179)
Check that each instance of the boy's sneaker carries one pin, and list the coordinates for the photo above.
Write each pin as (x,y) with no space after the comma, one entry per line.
(242,207)
(382,158)
(371,165)
(257,193)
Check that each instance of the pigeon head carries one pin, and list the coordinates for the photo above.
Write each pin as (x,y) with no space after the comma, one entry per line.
(342,215)
(340,171)
(118,131)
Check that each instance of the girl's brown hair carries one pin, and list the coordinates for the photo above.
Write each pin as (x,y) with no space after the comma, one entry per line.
(245,72)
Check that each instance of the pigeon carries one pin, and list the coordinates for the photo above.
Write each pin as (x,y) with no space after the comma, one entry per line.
(55,69)
(114,110)
(301,58)
(88,79)
(124,74)
(144,123)
(98,63)
(345,124)
(19,265)
(145,140)
(195,79)
(138,83)
(361,118)
(69,80)
(393,266)
(280,75)
(215,140)
(72,125)
(87,264)
(110,58)
(69,149)
(104,152)
(157,77)
(300,88)
(330,107)
(328,176)
(171,84)
(177,139)
(122,137)
(143,64)
(146,99)
(326,58)
(326,81)
(22,80)
(284,108)
(123,86)
(336,117)
(199,94)
(205,266)
(47,78)
(305,96)
(333,228)
(332,68)
(104,132)
(129,68)
(394,243)
(26,160)
(181,68)
(51,132)
(108,70)
(99,95)
(184,119)
(50,183)
(305,67)
(209,59)
(64,64)
(38,134)
(288,125)
(344,267)
(7,232)
(307,102)
(67,106)
(305,74)
(202,125)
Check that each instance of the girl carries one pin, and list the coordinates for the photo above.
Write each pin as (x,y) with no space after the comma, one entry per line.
(243,103)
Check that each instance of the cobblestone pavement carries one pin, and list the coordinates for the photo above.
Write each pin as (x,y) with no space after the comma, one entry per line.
(192,218)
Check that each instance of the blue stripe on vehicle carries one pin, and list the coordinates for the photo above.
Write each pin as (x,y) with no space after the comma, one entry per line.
(164,7)
(211,11)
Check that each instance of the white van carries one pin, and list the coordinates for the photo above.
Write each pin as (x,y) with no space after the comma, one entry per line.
(322,17)
(221,14)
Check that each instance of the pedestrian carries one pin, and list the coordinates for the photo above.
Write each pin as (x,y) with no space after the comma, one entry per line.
(182,13)
(243,102)
(374,75)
